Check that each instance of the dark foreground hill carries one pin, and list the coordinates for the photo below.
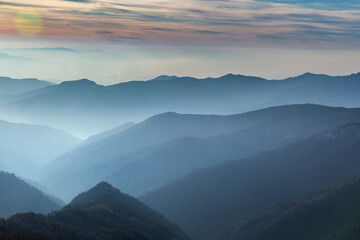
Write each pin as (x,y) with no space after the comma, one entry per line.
(17,196)
(206,201)
(101,213)
(7,235)
(328,215)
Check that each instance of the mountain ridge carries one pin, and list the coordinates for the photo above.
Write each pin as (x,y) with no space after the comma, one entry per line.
(97,106)
(328,214)
(170,145)
(212,197)
(17,196)
(9,86)
(25,147)
(103,212)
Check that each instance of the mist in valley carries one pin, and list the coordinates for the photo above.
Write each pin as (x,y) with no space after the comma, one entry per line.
(203,171)
(161,120)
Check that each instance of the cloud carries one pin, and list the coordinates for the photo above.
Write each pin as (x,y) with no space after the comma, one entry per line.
(81,1)
(245,22)
(332,5)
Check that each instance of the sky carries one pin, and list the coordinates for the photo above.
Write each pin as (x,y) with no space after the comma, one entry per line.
(111,41)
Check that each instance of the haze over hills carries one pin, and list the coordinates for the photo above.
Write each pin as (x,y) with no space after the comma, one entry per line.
(207,201)
(170,145)
(17,196)
(10,86)
(85,108)
(220,173)
(143,129)
(155,130)
(25,147)
(101,213)
(272,128)
(106,134)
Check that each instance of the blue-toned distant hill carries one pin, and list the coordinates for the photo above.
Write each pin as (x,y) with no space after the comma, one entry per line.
(17,196)
(85,108)
(101,213)
(16,86)
(106,134)
(170,145)
(206,202)
(25,147)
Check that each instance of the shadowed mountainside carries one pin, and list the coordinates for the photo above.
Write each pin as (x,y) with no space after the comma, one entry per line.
(101,213)
(206,201)
(17,196)
(84,108)
(329,215)
(170,145)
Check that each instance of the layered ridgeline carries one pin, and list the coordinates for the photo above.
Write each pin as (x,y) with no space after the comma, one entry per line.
(206,202)
(24,147)
(107,134)
(17,86)
(170,145)
(17,196)
(86,108)
(327,215)
(101,213)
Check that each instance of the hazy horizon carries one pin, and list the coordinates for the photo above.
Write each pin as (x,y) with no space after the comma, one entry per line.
(199,38)
(249,129)
(85,64)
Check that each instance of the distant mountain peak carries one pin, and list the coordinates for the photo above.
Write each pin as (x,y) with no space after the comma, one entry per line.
(240,77)
(80,82)
(310,75)
(231,75)
(164,78)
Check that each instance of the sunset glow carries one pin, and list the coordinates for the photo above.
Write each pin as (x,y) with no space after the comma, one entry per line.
(243,22)
(28,23)
(193,37)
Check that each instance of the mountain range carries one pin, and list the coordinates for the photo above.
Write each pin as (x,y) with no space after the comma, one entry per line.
(17,196)
(207,201)
(106,134)
(85,108)
(9,86)
(168,146)
(234,157)
(25,147)
(103,212)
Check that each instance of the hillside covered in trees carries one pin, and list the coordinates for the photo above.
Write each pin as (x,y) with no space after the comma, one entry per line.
(101,213)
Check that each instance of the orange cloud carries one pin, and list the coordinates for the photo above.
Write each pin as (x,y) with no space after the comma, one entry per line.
(225,22)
